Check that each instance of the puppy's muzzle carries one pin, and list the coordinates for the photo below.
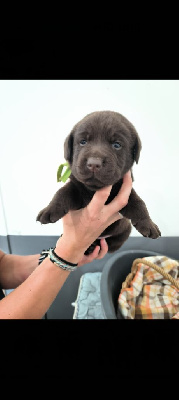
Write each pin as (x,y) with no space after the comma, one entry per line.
(94,164)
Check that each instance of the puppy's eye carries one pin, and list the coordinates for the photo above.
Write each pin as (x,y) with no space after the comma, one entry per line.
(83,142)
(116,145)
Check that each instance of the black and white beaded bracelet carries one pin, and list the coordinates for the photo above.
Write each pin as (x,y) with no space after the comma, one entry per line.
(60,262)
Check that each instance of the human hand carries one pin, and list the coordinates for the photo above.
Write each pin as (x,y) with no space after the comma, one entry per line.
(82,227)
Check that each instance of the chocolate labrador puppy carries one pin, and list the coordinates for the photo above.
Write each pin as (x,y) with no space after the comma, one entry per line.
(100,149)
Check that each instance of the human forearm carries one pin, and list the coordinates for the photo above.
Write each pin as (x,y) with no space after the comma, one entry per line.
(34,296)
(14,269)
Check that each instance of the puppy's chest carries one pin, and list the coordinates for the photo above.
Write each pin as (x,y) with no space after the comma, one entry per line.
(87,196)
(114,191)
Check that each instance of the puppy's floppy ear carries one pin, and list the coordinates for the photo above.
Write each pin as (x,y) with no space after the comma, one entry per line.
(68,148)
(137,148)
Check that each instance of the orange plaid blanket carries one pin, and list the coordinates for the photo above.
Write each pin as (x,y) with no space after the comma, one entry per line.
(149,295)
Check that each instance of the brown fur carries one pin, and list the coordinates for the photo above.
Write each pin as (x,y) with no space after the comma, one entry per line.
(97,161)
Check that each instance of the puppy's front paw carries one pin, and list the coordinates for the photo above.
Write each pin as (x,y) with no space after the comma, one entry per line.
(148,229)
(49,215)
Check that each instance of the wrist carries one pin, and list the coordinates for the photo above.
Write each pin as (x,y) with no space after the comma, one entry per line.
(68,250)
(60,262)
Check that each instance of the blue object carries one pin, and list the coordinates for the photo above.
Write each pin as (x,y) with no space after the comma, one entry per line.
(88,302)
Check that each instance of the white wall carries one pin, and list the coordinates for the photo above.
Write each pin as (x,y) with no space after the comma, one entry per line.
(3,228)
(35,118)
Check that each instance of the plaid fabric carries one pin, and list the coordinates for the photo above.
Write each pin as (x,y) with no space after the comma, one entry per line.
(149,295)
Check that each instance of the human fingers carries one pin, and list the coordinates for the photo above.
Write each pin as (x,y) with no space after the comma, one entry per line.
(103,250)
(97,253)
(125,190)
(89,258)
(121,200)
(97,203)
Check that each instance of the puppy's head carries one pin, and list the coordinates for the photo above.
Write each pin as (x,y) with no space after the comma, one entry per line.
(101,148)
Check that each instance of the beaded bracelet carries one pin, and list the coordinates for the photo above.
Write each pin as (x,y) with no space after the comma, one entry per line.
(60,262)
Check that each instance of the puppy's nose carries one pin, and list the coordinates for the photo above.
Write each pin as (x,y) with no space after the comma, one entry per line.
(94,164)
